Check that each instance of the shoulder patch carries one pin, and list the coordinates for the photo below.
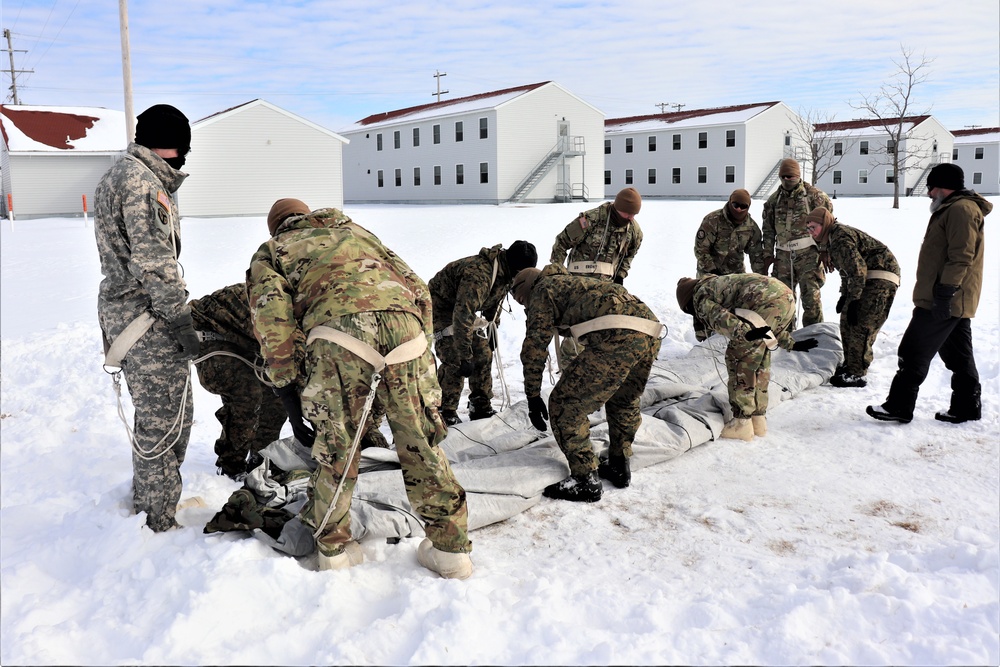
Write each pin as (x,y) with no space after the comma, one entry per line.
(701,233)
(163,199)
(584,222)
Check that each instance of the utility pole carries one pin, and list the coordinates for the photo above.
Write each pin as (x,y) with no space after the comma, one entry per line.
(14,72)
(126,70)
(678,107)
(439,93)
(662,106)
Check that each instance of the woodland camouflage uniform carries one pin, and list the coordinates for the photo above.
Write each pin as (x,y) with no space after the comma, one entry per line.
(592,236)
(721,243)
(611,370)
(323,269)
(137,226)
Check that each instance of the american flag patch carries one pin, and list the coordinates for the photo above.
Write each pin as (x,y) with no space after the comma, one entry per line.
(163,199)
(584,223)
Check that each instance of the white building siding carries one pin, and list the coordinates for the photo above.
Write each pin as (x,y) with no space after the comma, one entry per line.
(44,185)
(987,166)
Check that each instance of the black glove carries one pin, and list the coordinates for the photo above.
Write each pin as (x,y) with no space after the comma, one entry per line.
(853,311)
(805,345)
(758,333)
(840,303)
(620,280)
(941,309)
(466,368)
(538,413)
(303,430)
(182,328)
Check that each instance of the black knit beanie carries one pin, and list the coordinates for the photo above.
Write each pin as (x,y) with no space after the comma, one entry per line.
(163,126)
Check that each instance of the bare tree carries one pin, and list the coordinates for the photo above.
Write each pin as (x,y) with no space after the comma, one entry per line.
(812,128)
(892,109)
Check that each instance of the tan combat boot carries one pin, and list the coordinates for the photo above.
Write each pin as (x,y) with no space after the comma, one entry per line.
(759,425)
(448,565)
(351,555)
(738,428)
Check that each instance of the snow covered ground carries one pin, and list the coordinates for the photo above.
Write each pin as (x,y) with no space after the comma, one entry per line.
(834,540)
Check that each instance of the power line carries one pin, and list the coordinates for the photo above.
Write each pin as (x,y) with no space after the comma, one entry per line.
(14,72)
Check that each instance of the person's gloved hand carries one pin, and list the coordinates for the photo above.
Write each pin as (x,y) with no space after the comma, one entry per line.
(758,333)
(620,280)
(941,308)
(182,329)
(302,429)
(805,345)
(840,303)
(853,312)
(538,413)
(466,368)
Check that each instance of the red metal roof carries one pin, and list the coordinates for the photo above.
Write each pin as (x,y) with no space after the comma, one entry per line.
(684,115)
(52,128)
(975,131)
(858,124)
(398,113)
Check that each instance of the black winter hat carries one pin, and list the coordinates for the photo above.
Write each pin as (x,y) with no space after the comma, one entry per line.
(948,176)
(521,255)
(163,126)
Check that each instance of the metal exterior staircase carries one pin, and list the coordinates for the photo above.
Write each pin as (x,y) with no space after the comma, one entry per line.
(769,182)
(574,147)
(920,188)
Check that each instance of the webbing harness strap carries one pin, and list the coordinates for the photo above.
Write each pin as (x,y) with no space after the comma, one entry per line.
(883,275)
(797,244)
(757,321)
(589,268)
(640,324)
(124,341)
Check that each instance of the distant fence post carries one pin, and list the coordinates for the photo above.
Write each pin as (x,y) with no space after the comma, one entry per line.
(10,210)
(85,221)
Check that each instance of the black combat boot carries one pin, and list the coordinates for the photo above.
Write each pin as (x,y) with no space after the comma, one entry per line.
(963,410)
(579,488)
(882,414)
(617,470)
(450,417)
(845,379)
(480,408)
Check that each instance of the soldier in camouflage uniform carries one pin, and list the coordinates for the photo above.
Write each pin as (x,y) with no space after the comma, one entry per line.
(333,280)
(724,237)
(611,370)
(251,415)
(787,243)
(603,241)
(755,313)
(458,291)
(869,276)
(137,226)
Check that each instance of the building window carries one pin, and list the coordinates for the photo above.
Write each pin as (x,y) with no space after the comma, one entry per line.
(437,134)
(484,128)
(703,140)
(459,131)
(890,146)
(378,141)
(607,147)
(381,178)
(890,176)
(437,174)
(863,148)
(484,172)
(954,154)
(459,174)
(677,142)
(628,177)
(730,138)
(607,177)
(838,148)
(416,176)
(703,174)
(730,174)
(979,152)
(862,176)
(399,177)
(977,178)
(651,177)
(628,144)
(788,139)
(416,137)
(836,178)
(675,176)
(652,144)
(395,139)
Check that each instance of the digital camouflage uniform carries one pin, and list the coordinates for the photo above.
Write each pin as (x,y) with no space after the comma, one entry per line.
(785,214)
(251,415)
(592,237)
(720,244)
(458,291)
(322,269)
(611,370)
(137,226)
(748,362)
(853,253)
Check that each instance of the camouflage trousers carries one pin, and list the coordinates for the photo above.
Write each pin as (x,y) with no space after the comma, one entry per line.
(481,380)
(858,339)
(333,400)
(748,362)
(251,415)
(160,388)
(809,277)
(610,370)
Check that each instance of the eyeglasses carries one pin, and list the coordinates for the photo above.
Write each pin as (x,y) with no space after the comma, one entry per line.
(739,206)
(787,176)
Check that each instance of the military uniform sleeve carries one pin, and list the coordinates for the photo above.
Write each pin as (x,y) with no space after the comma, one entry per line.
(635,240)
(472,292)
(704,239)
(539,329)
(850,263)
(422,294)
(819,198)
(755,248)
(768,232)
(720,319)
(274,322)
(146,213)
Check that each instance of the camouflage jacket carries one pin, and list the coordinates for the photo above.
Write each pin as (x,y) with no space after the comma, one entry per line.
(853,253)
(952,252)
(465,286)
(226,313)
(319,267)
(715,299)
(559,300)
(721,242)
(137,226)
(592,237)
(785,214)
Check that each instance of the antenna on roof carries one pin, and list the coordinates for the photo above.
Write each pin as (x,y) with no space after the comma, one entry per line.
(439,93)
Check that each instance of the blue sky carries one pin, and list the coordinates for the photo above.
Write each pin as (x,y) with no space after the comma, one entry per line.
(334,62)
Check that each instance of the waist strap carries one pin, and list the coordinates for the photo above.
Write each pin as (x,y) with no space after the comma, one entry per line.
(640,324)
(590,268)
(135,330)
(797,244)
(478,324)
(757,321)
(883,275)
(408,351)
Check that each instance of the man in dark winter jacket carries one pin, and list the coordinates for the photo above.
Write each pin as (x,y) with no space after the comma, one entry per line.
(946,295)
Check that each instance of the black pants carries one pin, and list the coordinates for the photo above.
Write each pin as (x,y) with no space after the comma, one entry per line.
(924,338)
